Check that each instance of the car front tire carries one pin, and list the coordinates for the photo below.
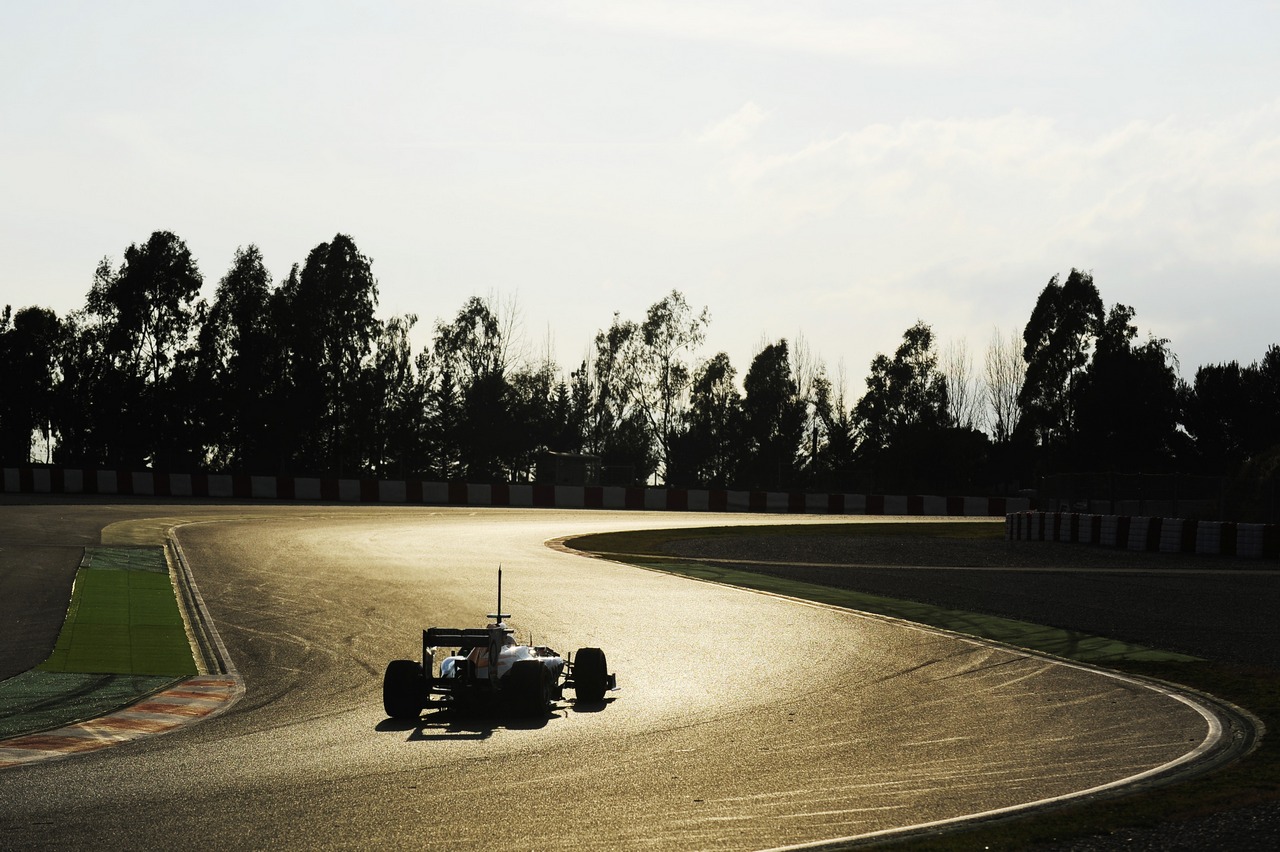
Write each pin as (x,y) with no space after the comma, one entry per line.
(590,675)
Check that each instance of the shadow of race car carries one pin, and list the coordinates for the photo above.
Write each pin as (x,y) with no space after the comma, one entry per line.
(484,668)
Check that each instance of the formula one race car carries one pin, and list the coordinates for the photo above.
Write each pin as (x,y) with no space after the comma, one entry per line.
(486,667)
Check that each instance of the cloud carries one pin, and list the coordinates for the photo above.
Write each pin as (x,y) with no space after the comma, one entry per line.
(961,222)
(1029,180)
(736,129)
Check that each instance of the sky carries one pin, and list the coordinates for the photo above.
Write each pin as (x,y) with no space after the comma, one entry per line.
(825,171)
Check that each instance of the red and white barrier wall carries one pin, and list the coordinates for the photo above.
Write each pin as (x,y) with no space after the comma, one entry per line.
(1163,535)
(41,480)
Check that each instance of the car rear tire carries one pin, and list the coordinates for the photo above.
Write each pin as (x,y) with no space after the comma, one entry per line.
(590,675)
(404,689)
(529,683)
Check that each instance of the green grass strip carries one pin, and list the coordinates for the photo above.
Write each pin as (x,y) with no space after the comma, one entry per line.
(123,618)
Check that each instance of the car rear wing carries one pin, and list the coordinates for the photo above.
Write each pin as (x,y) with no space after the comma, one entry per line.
(450,637)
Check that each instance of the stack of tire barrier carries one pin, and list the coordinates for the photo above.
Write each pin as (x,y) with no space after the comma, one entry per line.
(47,480)
(1163,535)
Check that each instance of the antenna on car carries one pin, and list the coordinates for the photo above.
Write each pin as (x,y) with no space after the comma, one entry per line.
(499,615)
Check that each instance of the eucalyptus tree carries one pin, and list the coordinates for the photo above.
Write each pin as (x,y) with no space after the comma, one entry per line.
(903,422)
(773,420)
(395,393)
(325,313)
(1126,402)
(240,370)
(907,392)
(1231,411)
(143,316)
(706,452)
(605,382)
(541,415)
(83,396)
(617,428)
(28,349)
(1058,338)
(670,334)
(496,412)
(640,374)
(469,353)
(446,429)
(472,342)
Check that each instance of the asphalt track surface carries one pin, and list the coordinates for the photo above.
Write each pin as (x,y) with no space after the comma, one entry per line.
(745,721)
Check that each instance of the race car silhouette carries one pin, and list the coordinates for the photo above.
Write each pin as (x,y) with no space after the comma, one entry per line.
(485,668)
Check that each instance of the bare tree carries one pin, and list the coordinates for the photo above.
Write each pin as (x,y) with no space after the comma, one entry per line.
(1005,371)
(964,400)
(805,366)
(831,401)
(513,347)
(811,381)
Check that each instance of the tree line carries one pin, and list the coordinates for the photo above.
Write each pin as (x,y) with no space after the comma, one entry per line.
(301,377)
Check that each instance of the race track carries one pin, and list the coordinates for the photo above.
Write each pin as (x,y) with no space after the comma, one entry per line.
(745,721)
